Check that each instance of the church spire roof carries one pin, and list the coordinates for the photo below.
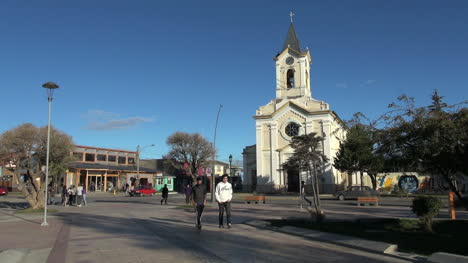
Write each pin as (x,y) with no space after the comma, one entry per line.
(291,39)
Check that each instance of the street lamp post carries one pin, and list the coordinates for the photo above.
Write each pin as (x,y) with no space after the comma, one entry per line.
(50,86)
(230,165)
(138,159)
(213,183)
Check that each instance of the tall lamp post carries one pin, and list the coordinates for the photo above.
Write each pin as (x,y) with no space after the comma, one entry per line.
(139,149)
(230,165)
(213,183)
(50,86)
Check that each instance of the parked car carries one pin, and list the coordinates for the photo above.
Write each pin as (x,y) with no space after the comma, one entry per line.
(142,190)
(3,191)
(353,192)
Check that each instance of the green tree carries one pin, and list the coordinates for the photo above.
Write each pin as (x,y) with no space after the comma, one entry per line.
(25,148)
(357,152)
(307,158)
(191,149)
(432,139)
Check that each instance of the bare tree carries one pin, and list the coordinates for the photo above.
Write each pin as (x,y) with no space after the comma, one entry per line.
(25,148)
(192,150)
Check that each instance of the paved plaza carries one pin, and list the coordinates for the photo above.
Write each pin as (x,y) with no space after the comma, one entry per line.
(139,229)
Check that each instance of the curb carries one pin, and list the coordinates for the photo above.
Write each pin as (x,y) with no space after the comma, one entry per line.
(375,247)
(441,257)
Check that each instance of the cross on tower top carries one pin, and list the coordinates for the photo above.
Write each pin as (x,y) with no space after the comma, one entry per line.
(291,14)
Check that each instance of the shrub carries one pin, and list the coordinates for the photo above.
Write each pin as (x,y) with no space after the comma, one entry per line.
(426,207)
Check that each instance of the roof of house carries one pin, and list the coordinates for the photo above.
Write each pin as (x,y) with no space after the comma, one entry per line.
(100,166)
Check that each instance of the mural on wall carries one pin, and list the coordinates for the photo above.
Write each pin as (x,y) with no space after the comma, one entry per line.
(409,182)
(413,182)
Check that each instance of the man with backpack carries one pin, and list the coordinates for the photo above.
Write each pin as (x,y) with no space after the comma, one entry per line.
(199,200)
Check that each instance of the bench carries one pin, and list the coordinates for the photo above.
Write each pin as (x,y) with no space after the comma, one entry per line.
(367,200)
(255,199)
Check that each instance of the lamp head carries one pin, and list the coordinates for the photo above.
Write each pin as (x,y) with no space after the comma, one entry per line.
(50,86)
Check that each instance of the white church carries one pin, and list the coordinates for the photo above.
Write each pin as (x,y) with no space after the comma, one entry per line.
(293,112)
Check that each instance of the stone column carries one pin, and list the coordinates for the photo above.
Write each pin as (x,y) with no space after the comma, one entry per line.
(259,155)
(329,179)
(274,156)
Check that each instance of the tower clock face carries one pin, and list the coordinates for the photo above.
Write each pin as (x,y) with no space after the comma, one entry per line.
(289,60)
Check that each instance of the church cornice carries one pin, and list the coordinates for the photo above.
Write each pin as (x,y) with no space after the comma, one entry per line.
(292,105)
(286,50)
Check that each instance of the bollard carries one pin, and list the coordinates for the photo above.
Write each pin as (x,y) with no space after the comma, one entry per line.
(114,192)
(451,205)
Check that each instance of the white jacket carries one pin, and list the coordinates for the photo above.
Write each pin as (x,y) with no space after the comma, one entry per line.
(223,192)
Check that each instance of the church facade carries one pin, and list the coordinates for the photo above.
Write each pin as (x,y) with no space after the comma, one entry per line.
(293,112)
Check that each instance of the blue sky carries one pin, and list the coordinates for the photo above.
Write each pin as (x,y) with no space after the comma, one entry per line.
(133,72)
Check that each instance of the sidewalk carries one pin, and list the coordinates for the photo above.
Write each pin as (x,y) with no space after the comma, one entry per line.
(27,241)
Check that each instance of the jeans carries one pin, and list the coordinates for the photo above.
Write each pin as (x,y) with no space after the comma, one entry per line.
(222,207)
(84,199)
(164,200)
(199,209)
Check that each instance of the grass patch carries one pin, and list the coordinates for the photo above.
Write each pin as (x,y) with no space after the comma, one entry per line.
(449,235)
(35,211)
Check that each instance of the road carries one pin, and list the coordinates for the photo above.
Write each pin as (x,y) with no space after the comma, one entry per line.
(125,229)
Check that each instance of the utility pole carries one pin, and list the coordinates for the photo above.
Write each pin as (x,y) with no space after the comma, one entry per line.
(213,179)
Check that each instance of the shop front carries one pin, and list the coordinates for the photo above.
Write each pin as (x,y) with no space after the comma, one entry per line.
(105,178)
(160,181)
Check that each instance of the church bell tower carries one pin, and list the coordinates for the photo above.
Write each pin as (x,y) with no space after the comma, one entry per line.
(292,68)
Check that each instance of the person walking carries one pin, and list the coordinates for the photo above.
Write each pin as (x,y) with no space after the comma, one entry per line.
(72,195)
(85,203)
(165,194)
(79,195)
(223,194)
(64,196)
(199,200)
(188,193)
(51,195)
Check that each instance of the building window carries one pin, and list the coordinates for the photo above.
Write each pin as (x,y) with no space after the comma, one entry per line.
(78,157)
(122,160)
(292,129)
(111,158)
(290,78)
(159,181)
(169,180)
(101,157)
(131,160)
(89,157)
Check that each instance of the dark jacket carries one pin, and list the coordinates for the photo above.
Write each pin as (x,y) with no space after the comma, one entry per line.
(165,192)
(188,191)
(199,193)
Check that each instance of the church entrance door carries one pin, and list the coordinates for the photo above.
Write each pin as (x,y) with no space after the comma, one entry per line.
(293,180)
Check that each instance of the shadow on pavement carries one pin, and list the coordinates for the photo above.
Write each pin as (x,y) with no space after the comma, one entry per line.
(207,245)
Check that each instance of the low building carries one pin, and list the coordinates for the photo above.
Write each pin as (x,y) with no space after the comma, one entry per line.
(164,176)
(103,169)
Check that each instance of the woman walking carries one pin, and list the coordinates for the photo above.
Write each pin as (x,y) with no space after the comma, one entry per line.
(165,194)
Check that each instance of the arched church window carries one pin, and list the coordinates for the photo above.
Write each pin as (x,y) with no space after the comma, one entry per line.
(290,78)
(292,129)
